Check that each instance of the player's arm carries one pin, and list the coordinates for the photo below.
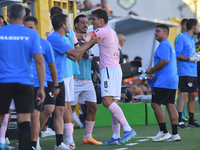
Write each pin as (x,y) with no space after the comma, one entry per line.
(77,53)
(181,57)
(53,72)
(40,67)
(158,66)
(77,46)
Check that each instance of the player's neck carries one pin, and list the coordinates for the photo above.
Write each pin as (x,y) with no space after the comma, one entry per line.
(16,21)
(61,32)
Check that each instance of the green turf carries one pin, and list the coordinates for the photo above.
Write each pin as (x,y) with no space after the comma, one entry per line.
(190,138)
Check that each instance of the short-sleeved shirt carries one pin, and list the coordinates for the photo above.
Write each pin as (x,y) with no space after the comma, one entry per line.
(176,39)
(17,46)
(186,46)
(108,47)
(59,46)
(48,56)
(166,77)
(72,67)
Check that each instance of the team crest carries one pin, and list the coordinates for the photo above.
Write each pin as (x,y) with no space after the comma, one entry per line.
(126,4)
(190,84)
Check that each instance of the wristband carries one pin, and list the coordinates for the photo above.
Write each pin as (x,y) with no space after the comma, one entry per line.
(56,87)
(90,57)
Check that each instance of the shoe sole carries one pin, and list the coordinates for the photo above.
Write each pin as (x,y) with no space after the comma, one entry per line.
(189,125)
(173,140)
(132,136)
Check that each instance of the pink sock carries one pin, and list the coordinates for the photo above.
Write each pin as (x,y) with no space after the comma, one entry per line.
(4,126)
(115,124)
(89,126)
(118,114)
(68,129)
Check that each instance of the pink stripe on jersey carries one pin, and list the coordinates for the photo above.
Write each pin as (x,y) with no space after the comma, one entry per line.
(108,48)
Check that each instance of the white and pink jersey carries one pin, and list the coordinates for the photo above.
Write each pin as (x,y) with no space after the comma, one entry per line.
(108,48)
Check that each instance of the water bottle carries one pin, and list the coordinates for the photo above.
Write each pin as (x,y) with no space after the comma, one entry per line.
(143,75)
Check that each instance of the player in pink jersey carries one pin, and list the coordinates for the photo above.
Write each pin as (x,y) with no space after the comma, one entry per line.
(111,76)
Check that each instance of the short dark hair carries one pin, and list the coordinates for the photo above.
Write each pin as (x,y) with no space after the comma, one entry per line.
(58,21)
(85,2)
(184,21)
(55,10)
(16,11)
(28,12)
(31,18)
(138,58)
(1,17)
(190,23)
(76,20)
(125,56)
(198,35)
(164,27)
(4,22)
(101,13)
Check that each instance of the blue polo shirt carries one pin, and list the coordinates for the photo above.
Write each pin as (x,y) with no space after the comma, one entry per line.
(17,46)
(59,46)
(48,56)
(167,76)
(186,46)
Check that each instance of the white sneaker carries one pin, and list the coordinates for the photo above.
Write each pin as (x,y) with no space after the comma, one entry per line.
(175,137)
(38,147)
(48,132)
(70,145)
(62,146)
(161,136)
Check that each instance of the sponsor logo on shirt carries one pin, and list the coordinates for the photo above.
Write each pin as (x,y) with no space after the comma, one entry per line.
(17,38)
(190,84)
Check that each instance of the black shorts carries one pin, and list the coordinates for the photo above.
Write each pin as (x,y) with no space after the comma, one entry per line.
(187,84)
(40,107)
(163,96)
(60,99)
(22,95)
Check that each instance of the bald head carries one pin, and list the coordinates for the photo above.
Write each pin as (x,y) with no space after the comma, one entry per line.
(122,39)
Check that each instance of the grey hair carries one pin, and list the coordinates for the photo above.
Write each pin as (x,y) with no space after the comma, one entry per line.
(16,11)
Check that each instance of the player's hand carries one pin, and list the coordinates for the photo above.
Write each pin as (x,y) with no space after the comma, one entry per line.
(55,92)
(40,96)
(86,55)
(96,39)
(47,34)
(87,37)
(148,71)
(194,58)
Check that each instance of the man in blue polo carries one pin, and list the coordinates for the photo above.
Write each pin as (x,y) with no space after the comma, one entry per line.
(164,91)
(48,55)
(18,46)
(187,70)
(61,50)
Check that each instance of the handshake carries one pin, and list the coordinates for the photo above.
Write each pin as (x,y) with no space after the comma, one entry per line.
(195,58)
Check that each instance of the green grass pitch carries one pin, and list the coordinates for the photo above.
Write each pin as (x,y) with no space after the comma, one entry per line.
(190,138)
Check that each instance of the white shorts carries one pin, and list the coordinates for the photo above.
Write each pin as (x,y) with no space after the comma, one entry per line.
(111,81)
(83,91)
(12,105)
(69,89)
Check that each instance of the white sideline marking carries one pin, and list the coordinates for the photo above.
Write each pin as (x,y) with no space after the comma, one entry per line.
(120,148)
(143,140)
(44,139)
(131,144)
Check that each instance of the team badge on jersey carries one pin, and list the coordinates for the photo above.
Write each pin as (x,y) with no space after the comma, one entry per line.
(126,4)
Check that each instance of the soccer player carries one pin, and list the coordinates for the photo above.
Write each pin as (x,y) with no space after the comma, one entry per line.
(18,45)
(48,55)
(61,50)
(111,76)
(83,87)
(187,70)
(164,90)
